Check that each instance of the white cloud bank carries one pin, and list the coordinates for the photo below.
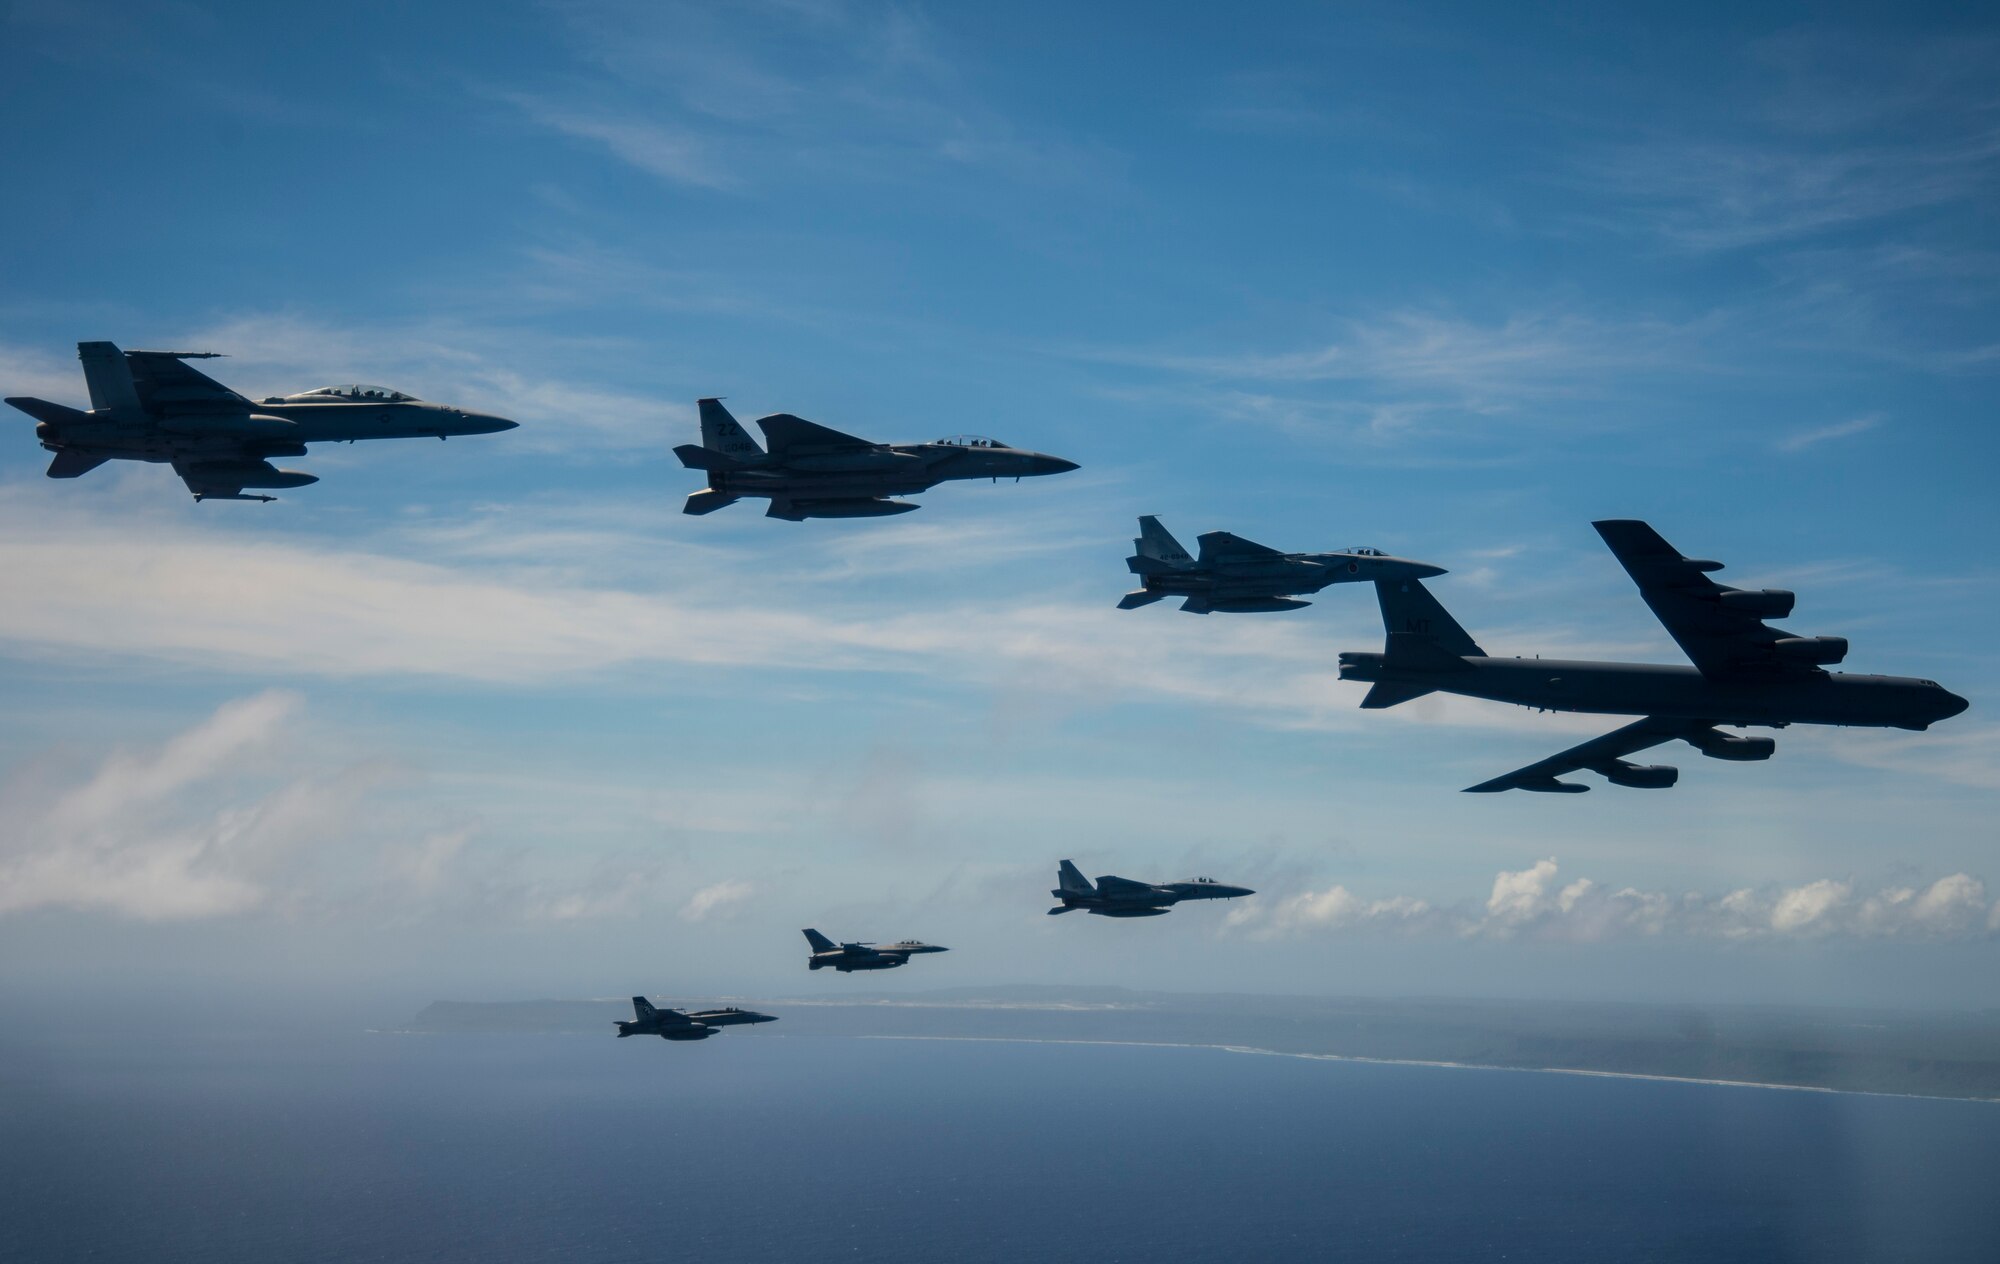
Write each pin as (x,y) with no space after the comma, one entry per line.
(1535,903)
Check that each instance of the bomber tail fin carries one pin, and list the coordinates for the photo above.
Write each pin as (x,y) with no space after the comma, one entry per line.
(819,942)
(722,433)
(1409,610)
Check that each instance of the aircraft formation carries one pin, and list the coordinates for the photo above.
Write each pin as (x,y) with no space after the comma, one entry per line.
(154,406)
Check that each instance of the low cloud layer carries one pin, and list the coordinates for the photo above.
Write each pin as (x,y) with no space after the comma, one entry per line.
(1537,903)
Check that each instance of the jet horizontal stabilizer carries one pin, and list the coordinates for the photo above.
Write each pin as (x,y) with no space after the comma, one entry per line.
(1133,600)
(696,457)
(707,501)
(1388,693)
(44,411)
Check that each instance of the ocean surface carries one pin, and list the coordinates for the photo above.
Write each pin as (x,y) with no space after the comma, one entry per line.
(355,1146)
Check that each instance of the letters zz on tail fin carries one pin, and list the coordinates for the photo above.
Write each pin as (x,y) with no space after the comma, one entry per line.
(721,432)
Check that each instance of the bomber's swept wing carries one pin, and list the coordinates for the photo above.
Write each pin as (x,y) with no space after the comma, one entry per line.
(1217,545)
(786,435)
(1721,629)
(1606,755)
(167,384)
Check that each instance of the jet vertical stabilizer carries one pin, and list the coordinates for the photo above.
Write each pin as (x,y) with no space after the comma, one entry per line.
(722,433)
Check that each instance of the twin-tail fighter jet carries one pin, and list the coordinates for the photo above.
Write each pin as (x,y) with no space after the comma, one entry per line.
(1233,575)
(848,958)
(1121,897)
(1745,673)
(810,471)
(151,406)
(676,1024)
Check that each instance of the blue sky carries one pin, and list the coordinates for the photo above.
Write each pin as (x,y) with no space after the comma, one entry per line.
(495,718)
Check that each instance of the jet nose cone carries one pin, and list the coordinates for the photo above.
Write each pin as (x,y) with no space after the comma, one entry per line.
(1424,570)
(1051,465)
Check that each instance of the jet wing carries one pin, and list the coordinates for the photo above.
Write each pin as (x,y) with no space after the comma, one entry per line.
(166,383)
(1218,545)
(1602,755)
(1723,636)
(1116,888)
(785,434)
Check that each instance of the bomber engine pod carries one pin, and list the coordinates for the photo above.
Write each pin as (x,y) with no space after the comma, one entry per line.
(1765,603)
(1819,651)
(1718,745)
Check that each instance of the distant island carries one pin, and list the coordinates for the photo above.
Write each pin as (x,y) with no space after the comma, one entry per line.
(1849,1050)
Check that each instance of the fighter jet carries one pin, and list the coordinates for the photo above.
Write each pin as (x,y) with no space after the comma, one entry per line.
(1745,673)
(675,1024)
(1122,897)
(848,958)
(813,472)
(151,406)
(1233,575)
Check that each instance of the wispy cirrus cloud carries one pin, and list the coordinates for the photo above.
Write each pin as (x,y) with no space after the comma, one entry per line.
(1800,440)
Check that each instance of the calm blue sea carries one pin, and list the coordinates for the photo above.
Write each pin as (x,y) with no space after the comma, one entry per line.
(759,1146)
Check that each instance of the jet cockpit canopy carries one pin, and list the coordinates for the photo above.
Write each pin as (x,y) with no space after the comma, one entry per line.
(1362,550)
(356,393)
(970,441)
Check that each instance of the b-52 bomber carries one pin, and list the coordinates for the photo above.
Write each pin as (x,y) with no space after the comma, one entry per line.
(676,1024)
(152,406)
(1745,673)
(1121,897)
(848,958)
(811,471)
(1231,574)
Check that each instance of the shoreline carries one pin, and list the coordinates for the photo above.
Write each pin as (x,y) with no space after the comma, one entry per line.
(1451,1066)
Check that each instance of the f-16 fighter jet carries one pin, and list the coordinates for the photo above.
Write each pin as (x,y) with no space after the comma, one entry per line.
(675,1024)
(1232,574)
(848,958)
(813,472)
(1745,673)
(151,406)
(1122,897)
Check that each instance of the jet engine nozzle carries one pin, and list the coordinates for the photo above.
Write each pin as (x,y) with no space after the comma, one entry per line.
(1740,749)
(1765,603)
(1819,651)
(1640,776)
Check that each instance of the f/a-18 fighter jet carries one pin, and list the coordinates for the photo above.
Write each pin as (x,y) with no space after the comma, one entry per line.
(848,958)
(811,471)
(1745,673)
(676,1024)
(151,406)
(1121,897)
(1232,574)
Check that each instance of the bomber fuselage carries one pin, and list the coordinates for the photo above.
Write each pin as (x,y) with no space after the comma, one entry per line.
(1550,684)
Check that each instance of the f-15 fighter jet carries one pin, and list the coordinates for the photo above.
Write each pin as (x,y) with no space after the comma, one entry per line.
(1122,897)
(151,406)
(848,958)
(811,471)
(1231,574)
(1745,673)
(675,1024)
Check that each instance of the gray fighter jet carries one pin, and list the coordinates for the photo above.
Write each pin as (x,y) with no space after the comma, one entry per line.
(813,472)
(676,1024)
(1232,574)
(848,958)
(1121,897)
(1745,673)
(151,406)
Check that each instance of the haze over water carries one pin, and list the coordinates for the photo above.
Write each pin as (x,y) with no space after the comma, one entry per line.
(755,1146)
